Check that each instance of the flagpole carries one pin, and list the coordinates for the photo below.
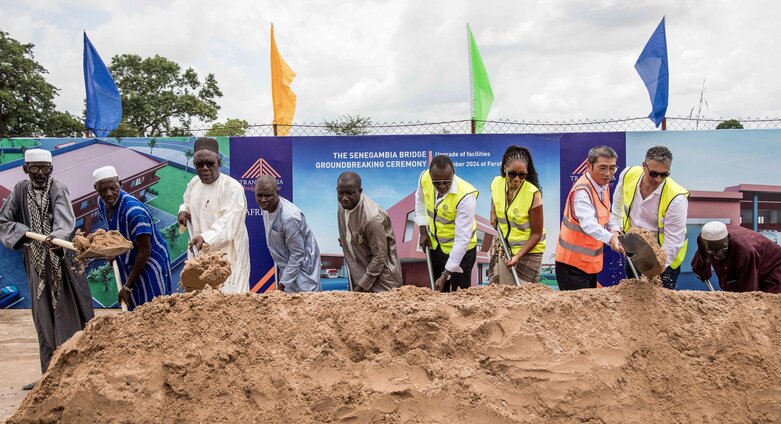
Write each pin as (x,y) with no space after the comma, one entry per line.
(471,82)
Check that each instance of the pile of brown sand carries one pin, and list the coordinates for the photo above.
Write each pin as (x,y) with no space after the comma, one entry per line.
(101,243)
(631,353)
(206,269)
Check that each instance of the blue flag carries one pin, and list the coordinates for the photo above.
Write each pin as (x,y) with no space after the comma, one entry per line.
(104,105)
(652,67)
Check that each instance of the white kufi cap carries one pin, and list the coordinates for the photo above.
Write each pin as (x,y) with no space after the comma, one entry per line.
(713,231)
(37,155)
(103,173)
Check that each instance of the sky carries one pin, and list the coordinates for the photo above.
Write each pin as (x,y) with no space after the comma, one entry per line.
(548,60)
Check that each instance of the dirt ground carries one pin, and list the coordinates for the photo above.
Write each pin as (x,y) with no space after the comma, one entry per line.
(19,362)
(633,353)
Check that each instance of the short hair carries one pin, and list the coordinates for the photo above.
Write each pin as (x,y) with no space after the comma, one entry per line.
(349,176)
(601,152)
(441,162)
(659,154)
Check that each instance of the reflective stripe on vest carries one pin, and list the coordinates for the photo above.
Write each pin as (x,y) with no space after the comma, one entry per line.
(670,191)
(516,229)
(442,216)
(575,247)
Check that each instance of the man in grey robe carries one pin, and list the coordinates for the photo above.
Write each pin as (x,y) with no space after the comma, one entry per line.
(61,299)
(366,236)
(290,240)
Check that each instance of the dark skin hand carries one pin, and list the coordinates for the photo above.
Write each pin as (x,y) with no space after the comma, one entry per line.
(440,283)
(143,246)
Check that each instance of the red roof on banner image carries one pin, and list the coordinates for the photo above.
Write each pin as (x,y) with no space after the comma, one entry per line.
(74,165)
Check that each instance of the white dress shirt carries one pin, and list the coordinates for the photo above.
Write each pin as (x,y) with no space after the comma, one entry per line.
(465,219)
(586,213)
(644,213)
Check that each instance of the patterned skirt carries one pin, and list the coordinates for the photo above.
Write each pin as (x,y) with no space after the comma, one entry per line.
(527,268)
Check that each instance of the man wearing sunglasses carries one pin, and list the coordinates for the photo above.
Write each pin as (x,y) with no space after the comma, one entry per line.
(216,206)
(646,197)
(743,259)
(445,213)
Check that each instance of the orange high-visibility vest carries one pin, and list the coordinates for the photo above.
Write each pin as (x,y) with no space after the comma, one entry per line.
(575,247)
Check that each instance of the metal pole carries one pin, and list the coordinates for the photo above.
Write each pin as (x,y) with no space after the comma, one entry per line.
(430,269)
(275,129)
(664,124)
(508,253)
(474,127)
(755,212)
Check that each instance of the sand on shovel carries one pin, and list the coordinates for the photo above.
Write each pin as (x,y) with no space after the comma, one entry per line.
(661,257)
(208,268)
(101,244)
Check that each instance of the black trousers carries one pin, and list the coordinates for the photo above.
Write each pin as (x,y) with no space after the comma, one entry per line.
(461,280)
(573,278)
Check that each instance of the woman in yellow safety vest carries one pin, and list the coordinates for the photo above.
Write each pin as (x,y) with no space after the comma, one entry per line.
(516,208)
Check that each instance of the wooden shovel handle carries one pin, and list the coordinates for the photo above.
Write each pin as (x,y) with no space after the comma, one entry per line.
(55,241)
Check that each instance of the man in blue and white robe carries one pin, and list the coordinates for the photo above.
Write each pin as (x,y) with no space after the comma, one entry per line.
(145,270)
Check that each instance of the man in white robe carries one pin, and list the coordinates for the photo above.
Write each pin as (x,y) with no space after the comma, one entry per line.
(216,206)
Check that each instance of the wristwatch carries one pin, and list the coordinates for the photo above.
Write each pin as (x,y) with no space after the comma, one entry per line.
(447,275)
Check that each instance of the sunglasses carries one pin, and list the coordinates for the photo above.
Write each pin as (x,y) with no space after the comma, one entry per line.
(654,174)
(441,182)
(34,169)
(208,164)
(513,175)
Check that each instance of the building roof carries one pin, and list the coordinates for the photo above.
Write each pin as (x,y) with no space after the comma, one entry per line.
(74,165)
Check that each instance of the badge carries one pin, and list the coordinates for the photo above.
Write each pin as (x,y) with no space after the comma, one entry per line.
(444,207)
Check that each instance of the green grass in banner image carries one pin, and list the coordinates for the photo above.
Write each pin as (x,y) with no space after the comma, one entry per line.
(170,188)
(102,284)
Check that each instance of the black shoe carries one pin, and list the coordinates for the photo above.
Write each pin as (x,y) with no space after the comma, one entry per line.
(30,386)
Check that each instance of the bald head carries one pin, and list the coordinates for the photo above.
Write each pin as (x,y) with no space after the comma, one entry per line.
(267,193)
(348,190)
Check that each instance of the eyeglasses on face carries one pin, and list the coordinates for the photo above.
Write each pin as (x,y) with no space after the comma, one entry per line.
(206,163)
(513,175)
(442,182)
(39,168)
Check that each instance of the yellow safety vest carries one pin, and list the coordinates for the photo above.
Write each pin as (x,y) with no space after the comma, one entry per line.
(442,217)
(517,229)
(670,191)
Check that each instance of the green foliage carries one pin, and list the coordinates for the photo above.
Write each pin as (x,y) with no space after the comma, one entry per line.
(156,94)
(349,125)
(26,99)
(231,128)
(152,143)
(730,124)
(188,154)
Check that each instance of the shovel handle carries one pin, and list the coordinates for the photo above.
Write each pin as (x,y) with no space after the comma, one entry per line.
(430,269)
(118,280)
(710,286)
(190,237)
(632,267)
(55,241)
(508,253)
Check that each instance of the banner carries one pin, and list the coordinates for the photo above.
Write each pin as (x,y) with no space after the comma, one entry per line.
(251,158)
(574,163)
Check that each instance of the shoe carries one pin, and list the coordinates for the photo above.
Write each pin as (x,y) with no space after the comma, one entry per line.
(30,386)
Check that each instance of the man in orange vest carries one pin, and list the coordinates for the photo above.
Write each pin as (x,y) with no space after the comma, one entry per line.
(585,227)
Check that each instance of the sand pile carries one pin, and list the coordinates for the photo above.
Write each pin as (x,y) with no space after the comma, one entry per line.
(631,353)
(101,243)
(206,269)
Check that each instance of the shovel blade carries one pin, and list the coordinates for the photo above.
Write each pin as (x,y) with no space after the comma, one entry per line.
(643,254)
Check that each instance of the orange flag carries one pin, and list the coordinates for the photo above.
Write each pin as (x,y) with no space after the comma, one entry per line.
(281,95)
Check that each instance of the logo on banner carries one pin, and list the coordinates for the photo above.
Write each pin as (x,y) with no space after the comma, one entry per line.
(579,171)
(261,167)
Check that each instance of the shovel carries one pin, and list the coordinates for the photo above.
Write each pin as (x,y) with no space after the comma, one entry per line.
(508,254)
(430,269)
(107,253)
(707,282)
(641,255)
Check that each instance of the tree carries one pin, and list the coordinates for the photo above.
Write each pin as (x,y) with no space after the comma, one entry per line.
(349,125)
(730,124)
(231,128)
(26,99)
(171,233)
(152,143)
(188,154)
(156,94)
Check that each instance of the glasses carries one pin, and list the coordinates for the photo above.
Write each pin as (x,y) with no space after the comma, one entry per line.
(513,175)
(441,182)
(654,174)
(207,163)
(39,168)
(716,252)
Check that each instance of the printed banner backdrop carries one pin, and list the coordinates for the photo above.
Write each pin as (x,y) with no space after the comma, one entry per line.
(253,157)
(574,162)
(726,172)
(390,167)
